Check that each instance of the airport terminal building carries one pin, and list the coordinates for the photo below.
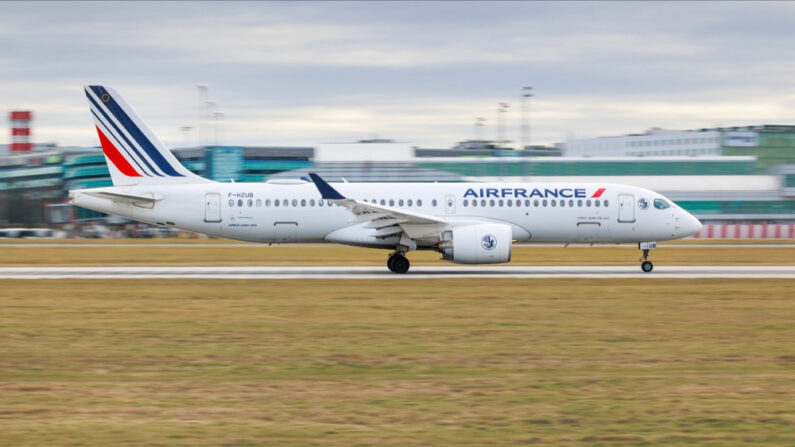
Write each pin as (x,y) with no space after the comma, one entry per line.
(735,175)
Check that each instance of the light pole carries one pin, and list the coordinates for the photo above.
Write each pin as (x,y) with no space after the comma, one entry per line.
(502,107)
(526,95)
(210,106)
(186,134)
(217,115)
(479,123)
(202,102)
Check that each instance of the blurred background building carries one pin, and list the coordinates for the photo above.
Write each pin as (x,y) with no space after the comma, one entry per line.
(737,175)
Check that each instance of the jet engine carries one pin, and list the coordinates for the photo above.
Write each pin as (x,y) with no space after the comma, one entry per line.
(477,244)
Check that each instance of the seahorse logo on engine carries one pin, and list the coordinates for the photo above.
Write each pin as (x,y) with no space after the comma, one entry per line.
(488,242)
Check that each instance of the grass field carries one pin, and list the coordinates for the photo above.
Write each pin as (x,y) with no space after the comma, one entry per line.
(391,362)
(154,253)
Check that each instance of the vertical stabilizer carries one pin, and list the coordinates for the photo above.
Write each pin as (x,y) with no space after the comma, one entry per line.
(133,153)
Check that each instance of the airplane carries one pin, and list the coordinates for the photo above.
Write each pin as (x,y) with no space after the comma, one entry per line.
(468,223)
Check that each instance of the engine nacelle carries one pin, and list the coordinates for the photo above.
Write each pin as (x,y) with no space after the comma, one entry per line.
(477,244)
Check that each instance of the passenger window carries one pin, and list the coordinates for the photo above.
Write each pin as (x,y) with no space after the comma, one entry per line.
(434,202)
(544,202)
(579,203)
(527,203)
(466,202)
(510,202)
(419,202)
(231,202)
(474,204)
(259,203)
(571,202)
(409,202)
(554,202)
(596,203)
(562,203)
(312,202)
(491,203)
(319,203)
(267,202)
(661,204)
(606,203)
(400,202)
(535,203)
(239,202)
(303,202)
(588,203)
(275,203)
(383,202)
(501,203)
(295,202)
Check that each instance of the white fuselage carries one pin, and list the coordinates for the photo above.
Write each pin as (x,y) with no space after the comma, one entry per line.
(249,211)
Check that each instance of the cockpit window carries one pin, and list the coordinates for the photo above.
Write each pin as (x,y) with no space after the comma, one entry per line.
(661,204)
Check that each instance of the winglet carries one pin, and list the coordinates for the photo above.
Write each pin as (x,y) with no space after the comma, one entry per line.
(326,191)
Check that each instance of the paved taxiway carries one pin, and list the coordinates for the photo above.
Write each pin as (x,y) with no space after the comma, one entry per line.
(369,272)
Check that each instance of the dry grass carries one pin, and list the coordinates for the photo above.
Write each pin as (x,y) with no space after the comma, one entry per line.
(397,362)
(191,253)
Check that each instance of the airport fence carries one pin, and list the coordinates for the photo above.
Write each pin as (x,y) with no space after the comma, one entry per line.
(731,231)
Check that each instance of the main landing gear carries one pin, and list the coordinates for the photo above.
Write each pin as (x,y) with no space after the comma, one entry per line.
(645,264)
(398,263)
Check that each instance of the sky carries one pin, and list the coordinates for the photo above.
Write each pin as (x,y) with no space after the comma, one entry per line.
(304,73)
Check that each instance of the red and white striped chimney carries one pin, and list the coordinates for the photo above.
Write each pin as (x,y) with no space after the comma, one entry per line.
(20,130)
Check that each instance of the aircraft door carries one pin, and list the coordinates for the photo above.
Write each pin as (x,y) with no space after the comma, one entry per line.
(449,204)
(626,208)
(212,207)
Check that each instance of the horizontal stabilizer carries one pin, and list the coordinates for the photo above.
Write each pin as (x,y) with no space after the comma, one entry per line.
(118,197)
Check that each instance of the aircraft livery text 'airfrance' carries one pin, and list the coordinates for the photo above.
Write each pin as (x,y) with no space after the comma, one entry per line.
(566,193)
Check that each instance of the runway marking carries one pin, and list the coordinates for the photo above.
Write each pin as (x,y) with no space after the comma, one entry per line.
(371,272)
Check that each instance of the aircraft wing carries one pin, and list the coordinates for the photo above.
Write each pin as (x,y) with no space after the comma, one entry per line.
(385,220)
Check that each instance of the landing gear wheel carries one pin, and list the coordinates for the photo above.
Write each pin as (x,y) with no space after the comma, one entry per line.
(398,263)
(645,264)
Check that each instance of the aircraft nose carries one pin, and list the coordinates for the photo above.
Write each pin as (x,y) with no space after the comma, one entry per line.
(690,225)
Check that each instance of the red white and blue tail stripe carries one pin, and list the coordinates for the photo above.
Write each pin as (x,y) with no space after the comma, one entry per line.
(133,153)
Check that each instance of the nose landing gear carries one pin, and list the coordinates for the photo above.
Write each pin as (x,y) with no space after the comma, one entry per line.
(398,263)
(645,264)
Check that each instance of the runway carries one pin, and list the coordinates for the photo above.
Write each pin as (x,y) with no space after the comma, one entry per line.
(82,245)
(378,272)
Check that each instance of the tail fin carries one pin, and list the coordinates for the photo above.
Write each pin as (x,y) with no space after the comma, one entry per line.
(133,153)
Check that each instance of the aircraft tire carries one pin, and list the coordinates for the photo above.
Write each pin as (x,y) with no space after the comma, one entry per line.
(646,266)
(398,263)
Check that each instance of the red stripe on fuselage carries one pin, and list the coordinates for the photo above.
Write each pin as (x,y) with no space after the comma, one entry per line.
(598,193)
(115,157)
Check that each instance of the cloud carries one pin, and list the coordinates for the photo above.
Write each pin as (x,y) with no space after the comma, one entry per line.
(303,73)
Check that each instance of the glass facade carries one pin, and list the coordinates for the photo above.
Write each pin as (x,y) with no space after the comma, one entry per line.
(48,177)
(527,168)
